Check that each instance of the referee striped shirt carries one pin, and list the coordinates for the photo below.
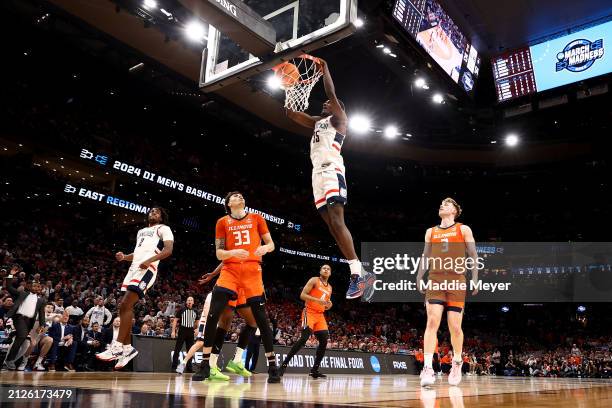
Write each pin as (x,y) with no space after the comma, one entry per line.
(187,317)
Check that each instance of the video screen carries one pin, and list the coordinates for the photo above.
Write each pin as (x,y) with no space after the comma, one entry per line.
(564,60)
(428,23)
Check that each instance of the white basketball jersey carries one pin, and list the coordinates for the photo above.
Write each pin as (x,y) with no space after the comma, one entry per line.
(325,147)
(148,242)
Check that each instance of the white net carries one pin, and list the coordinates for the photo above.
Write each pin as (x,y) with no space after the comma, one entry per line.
(297,92)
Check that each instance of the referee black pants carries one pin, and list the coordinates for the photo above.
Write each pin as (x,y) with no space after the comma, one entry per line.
(22,325)
(184,335)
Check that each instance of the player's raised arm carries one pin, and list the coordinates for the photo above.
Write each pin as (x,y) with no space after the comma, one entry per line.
(302,119)
(207,277)
(470,245)
(424,260)
(335,106)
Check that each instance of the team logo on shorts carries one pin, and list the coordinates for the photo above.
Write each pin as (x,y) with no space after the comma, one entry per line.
(142,285)
(579,55)
(343,192)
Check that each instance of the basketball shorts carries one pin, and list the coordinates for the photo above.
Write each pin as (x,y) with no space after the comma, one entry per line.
(454,300)
(139,280)
(239,302)
(329,187)
(246,276)
(315,320)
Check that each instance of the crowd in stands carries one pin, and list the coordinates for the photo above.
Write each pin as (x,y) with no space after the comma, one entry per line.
(81,281)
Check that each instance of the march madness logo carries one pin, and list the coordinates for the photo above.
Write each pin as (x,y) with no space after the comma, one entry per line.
(579,55)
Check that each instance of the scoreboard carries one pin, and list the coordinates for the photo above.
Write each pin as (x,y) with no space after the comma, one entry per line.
(513,74)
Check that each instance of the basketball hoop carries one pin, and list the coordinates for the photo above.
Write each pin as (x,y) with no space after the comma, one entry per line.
(297,77)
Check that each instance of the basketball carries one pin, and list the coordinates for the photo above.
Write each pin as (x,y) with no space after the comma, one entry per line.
(288,74)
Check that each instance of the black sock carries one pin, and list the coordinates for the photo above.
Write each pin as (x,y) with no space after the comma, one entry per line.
(219,339)
(271,360)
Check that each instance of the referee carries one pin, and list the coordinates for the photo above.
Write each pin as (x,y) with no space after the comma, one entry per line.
(185,322)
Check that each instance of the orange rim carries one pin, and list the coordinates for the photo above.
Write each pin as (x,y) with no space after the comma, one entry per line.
(316,60)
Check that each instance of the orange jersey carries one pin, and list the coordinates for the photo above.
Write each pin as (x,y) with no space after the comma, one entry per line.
(446,244)
(319,291)
(244,234)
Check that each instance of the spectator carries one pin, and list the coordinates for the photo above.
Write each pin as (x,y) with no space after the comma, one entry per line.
(145,330)
(95,344)
(7,304)
(75,312)
(99,313)
(64,347)
(110,334)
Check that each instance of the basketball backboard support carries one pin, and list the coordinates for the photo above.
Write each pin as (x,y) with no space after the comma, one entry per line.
(301,26)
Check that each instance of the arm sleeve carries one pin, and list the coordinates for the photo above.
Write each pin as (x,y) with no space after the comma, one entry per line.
(262,226)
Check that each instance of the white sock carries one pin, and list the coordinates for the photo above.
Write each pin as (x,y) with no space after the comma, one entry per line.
(355,267)
(457,358)
(127,347)
(213,360)
(428,360)
(116,345)
(238,355)
(39,361)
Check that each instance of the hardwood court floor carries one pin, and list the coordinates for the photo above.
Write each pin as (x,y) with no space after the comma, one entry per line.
(166,390)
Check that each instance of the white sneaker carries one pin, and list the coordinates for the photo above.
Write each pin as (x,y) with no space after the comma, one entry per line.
(23,365)
(454,377)
(181,368)
(114,352)
(428,377)
(126,357)
(38,367)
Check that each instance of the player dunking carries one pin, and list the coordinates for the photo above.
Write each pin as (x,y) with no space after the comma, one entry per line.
(238,236)
(329,182)
(449,240)
(316,294)
(140,277)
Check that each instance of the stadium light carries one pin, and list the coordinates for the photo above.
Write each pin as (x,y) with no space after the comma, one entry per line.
(420,83)
(438,98)
(359,123)
(505,309)
(359,23)
(391,132)
(274,82)
(581,309)
(386,50)
(512,140)
(150,4)
(195,31)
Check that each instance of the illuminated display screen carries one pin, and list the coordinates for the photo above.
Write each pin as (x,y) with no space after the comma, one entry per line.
(427,22)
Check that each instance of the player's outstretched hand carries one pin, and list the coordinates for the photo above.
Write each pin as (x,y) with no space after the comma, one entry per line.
(206,278)
(240,253)
(120,256)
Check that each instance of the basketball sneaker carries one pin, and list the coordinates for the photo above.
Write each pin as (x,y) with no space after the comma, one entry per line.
(454,378)
(129,353)
(203,372)
(216,375)
(181,368)
(428,377)
(23,365)
(112,353)
(273,376)
(317,374)
(368,289)
(237,368)
(356,286)
(281,370)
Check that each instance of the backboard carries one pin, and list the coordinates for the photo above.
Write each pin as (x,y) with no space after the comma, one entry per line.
(301,26)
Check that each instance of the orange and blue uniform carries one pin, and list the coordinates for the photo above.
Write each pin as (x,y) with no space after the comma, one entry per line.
(245,274)
(313,314)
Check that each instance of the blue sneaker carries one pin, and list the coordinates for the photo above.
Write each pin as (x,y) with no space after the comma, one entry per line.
(356,286)
(368,290)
